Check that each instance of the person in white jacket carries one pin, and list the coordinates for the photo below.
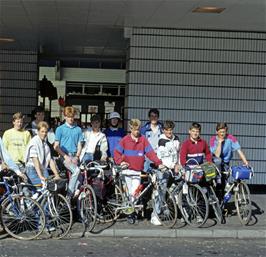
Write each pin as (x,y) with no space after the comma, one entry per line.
(168,147)
(96,146)
(168,153)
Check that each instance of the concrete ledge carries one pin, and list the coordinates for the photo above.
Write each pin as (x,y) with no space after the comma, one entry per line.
(222,233)
(177,233)
(193,233)
(245,233)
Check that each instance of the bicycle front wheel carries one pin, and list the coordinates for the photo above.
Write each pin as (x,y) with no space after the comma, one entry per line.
(88,208)
(58,215)
(243,202)
(194,205)
(22,217)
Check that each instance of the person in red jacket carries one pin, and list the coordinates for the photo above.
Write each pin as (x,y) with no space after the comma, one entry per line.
(194,148)
(131,152)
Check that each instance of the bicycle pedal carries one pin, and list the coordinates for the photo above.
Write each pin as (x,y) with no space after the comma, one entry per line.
(226,213)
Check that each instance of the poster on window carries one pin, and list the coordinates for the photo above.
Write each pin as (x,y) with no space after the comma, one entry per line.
(92,108)
(78,110)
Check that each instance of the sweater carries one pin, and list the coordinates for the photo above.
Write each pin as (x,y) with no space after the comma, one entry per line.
(194,150)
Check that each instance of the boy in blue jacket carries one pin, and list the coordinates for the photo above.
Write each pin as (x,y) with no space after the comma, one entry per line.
(113,133)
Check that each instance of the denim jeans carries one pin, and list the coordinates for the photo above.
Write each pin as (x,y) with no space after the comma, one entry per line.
(33,176)
(87,157)
(159,196)
(74,180)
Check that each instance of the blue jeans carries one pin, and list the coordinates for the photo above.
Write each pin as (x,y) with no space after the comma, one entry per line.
(87,157)
(33,176)
(159,198)
(74,180)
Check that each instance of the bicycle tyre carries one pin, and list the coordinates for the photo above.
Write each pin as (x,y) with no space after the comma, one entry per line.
(22,217)
(243,203)
(107,211)
(88,208)
(168,210)
(215,206)
(194,205)
(59,216)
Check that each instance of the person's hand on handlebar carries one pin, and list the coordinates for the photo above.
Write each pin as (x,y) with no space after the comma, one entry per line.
(23,177)
(162,167)
(124,165)
(177,168)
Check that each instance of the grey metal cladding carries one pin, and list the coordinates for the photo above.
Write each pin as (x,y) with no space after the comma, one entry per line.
(205,76)
(18,84)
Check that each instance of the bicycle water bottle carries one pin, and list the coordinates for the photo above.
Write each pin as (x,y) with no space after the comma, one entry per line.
(227,197)
(185,188)
(138,190)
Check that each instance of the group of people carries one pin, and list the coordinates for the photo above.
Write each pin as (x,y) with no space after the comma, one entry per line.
(27,151)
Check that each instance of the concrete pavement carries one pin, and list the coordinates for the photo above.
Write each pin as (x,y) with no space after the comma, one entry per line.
(231,229)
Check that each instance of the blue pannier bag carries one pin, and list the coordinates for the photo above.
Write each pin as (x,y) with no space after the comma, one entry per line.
(242,172)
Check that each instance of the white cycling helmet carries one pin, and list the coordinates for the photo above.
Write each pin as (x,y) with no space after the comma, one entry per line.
(114,115)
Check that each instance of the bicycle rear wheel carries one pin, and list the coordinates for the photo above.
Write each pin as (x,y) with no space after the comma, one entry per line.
(243,202)
(107,211)
(22,217)
(88,208)
(167,211)
(194,205)
(58,215)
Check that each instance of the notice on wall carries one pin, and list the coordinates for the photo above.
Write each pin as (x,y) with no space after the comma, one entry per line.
(92,108)
(78,110)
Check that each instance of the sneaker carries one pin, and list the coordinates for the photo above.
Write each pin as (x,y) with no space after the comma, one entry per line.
(155,221)
(131,219)
(199,219)
(50,229)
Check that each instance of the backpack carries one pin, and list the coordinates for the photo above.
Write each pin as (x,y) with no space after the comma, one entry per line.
(210,170)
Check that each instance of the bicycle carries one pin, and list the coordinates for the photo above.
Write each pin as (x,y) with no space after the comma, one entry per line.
(122,202)
(57,210)
(210,174)
(104,188)
(240,189)
(21,217)
(190,197)
(87,201)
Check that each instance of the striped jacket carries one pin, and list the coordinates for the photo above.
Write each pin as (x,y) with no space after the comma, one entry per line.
(134,152)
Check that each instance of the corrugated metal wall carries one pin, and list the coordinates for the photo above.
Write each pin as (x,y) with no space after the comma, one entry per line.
(18,84)
(203,76)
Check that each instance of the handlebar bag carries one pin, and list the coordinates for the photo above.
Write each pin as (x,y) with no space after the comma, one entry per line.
(241,172)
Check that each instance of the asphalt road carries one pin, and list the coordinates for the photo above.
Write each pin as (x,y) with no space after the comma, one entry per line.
(127,247)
